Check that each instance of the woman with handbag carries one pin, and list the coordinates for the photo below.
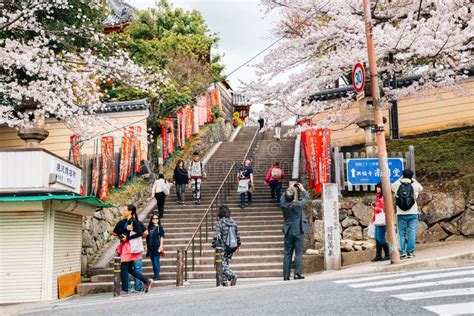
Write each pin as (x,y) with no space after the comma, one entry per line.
(160,190)
(154,242)
(245,180)
(378,219)
(130,249)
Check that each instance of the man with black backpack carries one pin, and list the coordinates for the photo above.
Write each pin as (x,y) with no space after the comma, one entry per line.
(226,236)
(406,191)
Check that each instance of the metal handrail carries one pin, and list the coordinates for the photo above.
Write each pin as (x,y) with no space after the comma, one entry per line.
(227,184)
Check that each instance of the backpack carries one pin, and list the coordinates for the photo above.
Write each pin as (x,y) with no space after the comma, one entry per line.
(405,196)
(276,173)
(230,242)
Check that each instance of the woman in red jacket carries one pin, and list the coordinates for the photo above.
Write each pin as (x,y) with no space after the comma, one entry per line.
(274,178)
(378,219)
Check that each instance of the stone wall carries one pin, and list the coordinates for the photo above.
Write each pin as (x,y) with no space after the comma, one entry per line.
(444,217)
(97,230)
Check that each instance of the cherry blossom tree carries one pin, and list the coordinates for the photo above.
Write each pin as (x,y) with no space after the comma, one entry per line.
(321,40)
(54,61)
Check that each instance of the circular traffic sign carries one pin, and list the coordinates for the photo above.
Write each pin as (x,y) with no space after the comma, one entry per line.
(358,77)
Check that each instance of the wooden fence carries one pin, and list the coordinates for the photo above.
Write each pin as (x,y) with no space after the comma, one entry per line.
(339,170)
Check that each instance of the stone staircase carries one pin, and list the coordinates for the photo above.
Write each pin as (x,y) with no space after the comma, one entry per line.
(260,224)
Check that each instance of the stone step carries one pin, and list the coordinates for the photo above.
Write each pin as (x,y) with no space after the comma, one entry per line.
(267,273)
(179,225)
(247,228)
(244,239)
(167,273)
(104,287)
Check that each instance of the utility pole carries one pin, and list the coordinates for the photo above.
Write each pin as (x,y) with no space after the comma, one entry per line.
(380,138)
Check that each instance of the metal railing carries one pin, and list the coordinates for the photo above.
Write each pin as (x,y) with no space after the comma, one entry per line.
(220,198)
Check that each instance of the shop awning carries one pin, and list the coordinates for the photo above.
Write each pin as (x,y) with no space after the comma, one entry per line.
(91,200)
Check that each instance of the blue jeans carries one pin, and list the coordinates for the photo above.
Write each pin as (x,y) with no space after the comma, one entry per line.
(138,285)
(155,262)
(407,224)
(380,234)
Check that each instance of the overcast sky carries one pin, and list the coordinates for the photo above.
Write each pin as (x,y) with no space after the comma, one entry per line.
(242,25)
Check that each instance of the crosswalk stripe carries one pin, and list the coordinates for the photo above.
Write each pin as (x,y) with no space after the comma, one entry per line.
(434,294)
(452,309)
(422,284)
(397,275)
(415,278)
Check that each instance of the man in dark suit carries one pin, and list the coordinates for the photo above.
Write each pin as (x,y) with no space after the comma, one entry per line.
(294,228)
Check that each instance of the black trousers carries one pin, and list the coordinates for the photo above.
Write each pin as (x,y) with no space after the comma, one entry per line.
(293,244)
(160,202)
(275,190)
(125,269)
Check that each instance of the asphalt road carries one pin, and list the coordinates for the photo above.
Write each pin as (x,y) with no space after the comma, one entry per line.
(425,292)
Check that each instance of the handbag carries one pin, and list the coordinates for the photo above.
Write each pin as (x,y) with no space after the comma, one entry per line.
(251,188)
(380,219)
(166,188)
(243,186)
(136,244)
(371,231)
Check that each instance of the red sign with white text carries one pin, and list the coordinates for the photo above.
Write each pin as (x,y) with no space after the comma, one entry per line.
(317,151)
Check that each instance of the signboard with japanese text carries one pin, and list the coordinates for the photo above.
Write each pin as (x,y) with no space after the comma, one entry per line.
(67,174)
(366,171)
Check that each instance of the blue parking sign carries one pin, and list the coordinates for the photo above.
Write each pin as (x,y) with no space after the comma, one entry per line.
(366,171)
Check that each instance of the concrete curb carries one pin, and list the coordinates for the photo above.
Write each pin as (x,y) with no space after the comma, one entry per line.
(441,262)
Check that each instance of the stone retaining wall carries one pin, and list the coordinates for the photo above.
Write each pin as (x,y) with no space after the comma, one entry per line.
(443,217)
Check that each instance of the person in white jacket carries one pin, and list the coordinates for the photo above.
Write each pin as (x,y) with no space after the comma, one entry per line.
(406,191)
(160,190)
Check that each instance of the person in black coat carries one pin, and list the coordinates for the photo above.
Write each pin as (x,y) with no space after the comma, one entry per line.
(180,179)
(294,228)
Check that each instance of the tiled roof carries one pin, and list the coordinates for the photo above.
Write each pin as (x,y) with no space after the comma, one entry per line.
(122,13)
(125,106)
(344,91)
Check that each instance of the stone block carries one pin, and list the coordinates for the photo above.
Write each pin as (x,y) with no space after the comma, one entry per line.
(435,233)
(347,204)
(449,228)
(349,221)
(456,238)
(363,213)
(424,198)
(445,206)
(347,244)
(342,214)
(353,233)
(420,231)
(318,230)
(466,223)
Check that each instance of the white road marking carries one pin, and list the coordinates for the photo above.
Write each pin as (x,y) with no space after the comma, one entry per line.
(415,278)
(434,294)
(397,275)
(452,309)
(423,284)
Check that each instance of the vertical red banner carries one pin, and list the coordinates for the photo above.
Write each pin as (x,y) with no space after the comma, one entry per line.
(104,183)
(317,151)
(75,155)
(138,158)
(124,158)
